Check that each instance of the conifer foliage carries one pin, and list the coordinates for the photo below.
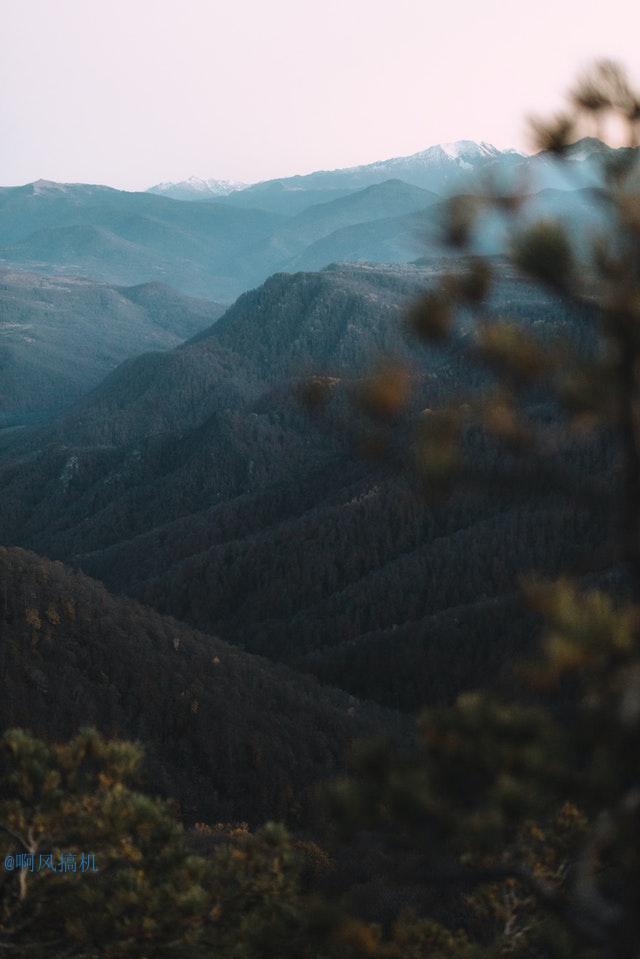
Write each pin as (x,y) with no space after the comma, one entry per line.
(528,808)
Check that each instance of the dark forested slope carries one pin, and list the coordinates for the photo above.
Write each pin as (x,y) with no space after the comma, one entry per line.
(228,734)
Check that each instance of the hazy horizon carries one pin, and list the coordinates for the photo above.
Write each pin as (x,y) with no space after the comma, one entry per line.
(132,96)
(205,176)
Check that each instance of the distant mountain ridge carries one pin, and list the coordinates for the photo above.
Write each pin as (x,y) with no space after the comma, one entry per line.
(418,169)
(443,168)
(197,188)
(128,238)
(202,248)
(59,336)
(223,245)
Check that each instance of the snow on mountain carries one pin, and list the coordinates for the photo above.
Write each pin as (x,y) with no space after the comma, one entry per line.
(442,160)
(48,186)
(444,168)
(468,149)
(196,188)
(462,151)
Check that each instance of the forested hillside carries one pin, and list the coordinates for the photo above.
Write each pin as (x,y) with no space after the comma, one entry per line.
(194,481)
(227,734)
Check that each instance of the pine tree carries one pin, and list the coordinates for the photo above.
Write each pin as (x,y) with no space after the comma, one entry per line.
(528,808)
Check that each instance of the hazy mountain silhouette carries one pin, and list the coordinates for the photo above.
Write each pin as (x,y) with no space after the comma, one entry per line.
(220,247)
(61,336)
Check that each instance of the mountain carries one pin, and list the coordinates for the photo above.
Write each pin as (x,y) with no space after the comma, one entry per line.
(442,169)
(218,248)
(337,319)
(394,239)
(391,197)
(583,168)
(60,336)
(404,238)
(317,225)
(193,481)
(196,188)
(203,248)
(445,169)
(193,427)
(127,238)
(227,734)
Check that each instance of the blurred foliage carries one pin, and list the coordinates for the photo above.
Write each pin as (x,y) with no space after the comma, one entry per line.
(529,809)
(222,891)
(147,890)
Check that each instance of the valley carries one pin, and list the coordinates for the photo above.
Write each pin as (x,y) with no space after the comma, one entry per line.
(194,481)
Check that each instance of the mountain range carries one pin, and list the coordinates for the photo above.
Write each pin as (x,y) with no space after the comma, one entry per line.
(127,238)
(220,247)
(444,169)
(192,480)
(60,336)
(197,188)
(229,562)
(441,169)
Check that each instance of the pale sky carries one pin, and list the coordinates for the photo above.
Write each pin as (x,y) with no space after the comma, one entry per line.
(131,92)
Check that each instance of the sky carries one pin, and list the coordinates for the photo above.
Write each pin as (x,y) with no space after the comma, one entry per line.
(133,92)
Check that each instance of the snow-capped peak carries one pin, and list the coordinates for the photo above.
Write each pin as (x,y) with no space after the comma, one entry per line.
(460,153)
(211,185)
(468,149)
(198,186)
(48,186)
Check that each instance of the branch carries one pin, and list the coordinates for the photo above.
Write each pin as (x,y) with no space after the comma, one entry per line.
(590,916)
(16,836)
